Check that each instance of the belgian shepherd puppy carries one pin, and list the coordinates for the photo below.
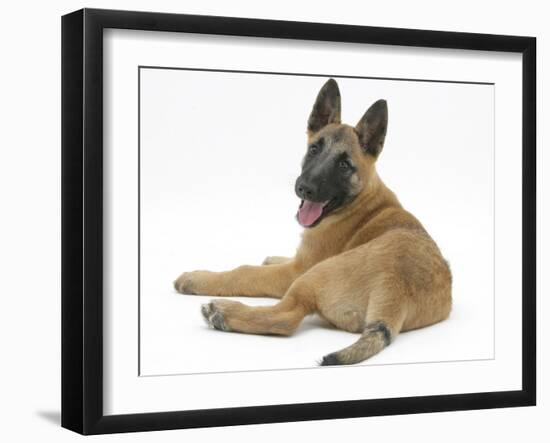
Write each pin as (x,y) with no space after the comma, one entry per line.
(365,264)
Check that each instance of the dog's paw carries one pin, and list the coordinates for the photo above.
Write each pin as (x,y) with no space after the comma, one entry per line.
(268,261)
(275,260)
(213,314)
(190,283)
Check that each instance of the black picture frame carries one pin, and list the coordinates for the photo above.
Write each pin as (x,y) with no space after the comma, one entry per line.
(82,220)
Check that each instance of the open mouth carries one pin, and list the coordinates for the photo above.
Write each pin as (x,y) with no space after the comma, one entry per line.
(310,213)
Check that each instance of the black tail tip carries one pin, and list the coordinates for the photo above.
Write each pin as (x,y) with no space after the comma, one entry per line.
(330,360)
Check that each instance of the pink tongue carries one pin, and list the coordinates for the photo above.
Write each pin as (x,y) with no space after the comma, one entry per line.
(309,213)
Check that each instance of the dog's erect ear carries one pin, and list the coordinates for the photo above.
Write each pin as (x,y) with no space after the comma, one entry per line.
(372,128)
(327,107)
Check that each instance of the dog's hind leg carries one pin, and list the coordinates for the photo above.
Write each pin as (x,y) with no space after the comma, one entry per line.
(280,319)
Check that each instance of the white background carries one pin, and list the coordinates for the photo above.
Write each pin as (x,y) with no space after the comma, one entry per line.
(29,174)
(127,393)
(219,155)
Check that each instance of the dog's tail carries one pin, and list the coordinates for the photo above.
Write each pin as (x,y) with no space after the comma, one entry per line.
(375,337)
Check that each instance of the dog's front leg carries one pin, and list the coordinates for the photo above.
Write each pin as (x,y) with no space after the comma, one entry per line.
(247,281)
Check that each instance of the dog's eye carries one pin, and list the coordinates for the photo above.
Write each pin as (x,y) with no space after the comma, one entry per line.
(313,149)
(343,165)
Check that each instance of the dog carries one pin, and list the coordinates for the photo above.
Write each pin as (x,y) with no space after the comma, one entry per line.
(364,264)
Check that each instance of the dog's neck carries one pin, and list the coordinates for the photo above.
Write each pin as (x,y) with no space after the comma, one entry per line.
(374,197)
(330,236)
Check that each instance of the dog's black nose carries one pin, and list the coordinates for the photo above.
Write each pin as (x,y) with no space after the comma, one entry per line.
(304,190)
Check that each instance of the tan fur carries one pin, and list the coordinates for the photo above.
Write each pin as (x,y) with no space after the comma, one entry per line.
(369,267)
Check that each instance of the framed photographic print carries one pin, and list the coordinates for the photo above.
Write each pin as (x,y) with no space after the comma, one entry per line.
(269,221)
